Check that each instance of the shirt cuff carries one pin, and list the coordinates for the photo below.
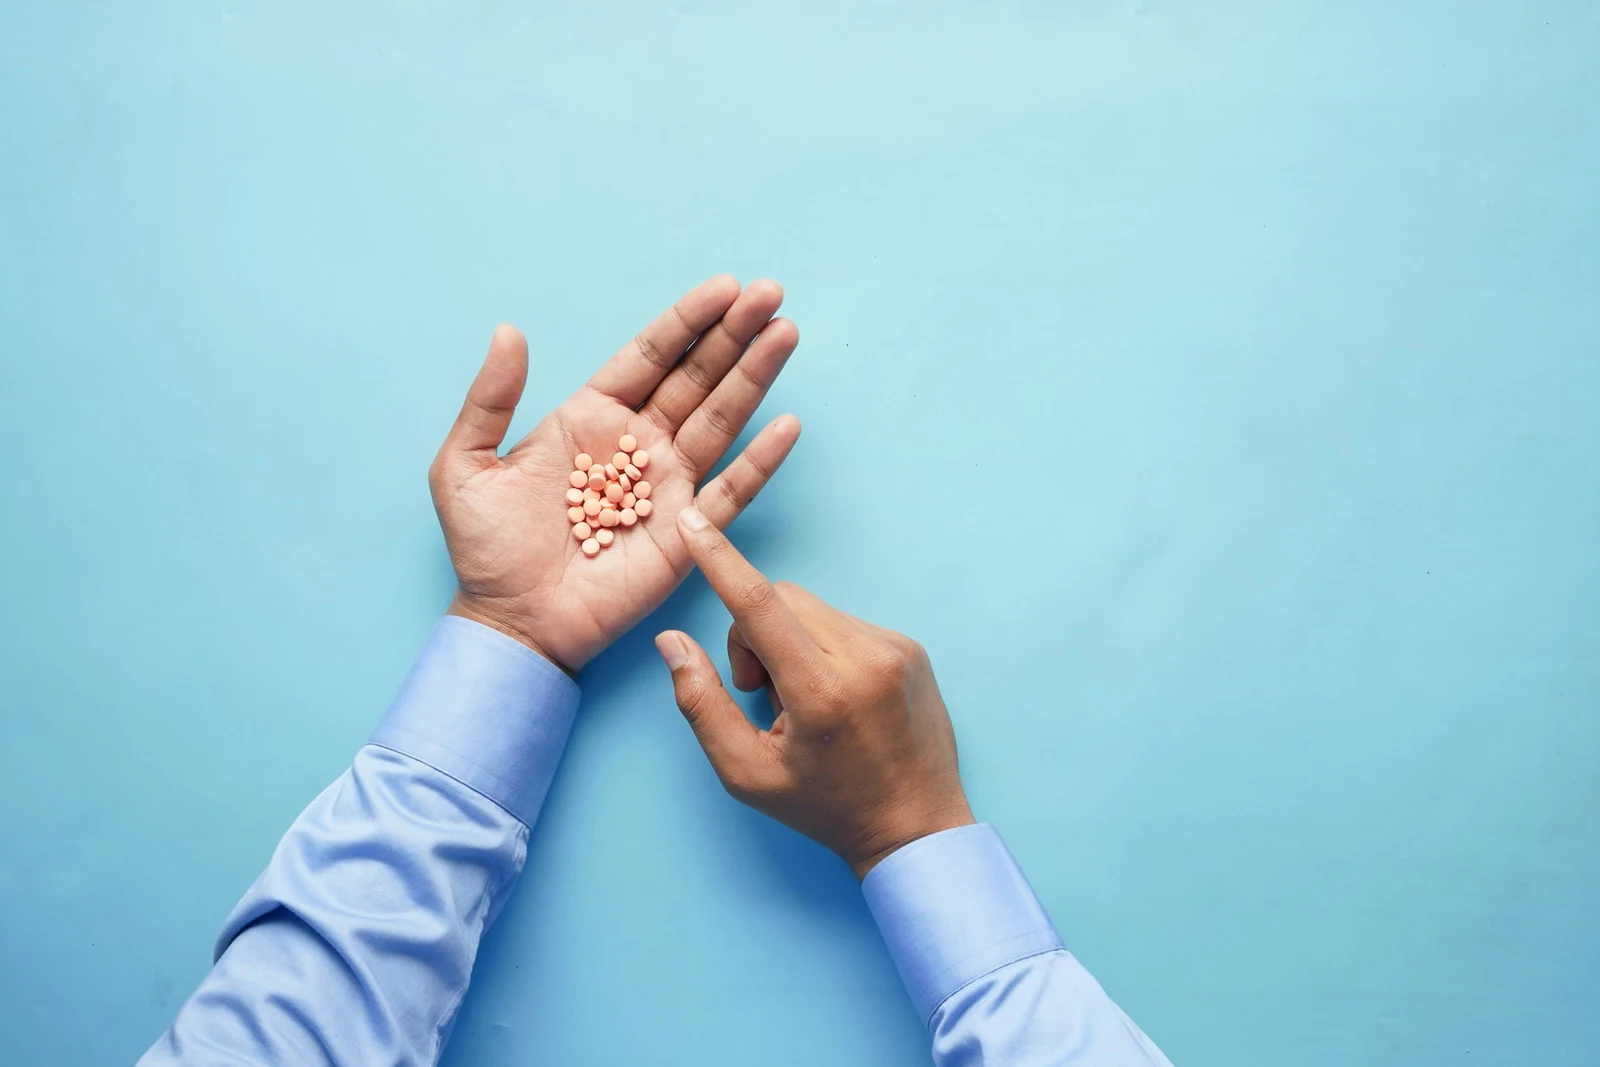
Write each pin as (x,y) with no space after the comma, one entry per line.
(486,710)
(952,907)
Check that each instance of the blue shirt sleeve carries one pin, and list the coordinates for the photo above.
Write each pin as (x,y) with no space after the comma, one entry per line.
(985,968)
(356,944)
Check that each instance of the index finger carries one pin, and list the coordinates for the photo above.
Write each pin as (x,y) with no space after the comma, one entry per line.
(772,631)
(629,376)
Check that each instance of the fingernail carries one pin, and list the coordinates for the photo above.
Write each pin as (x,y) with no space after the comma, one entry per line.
(673,649)
(692,519)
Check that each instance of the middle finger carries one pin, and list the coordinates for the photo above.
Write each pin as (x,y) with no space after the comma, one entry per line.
(749,673)
(712,356)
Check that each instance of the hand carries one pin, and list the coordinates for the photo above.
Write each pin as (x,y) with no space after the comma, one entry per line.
(505,517)
(861,755)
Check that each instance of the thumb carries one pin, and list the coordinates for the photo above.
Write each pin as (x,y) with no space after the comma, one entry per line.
(492,399)
(732,743)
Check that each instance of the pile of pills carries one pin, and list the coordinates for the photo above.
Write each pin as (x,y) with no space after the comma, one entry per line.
(607,495)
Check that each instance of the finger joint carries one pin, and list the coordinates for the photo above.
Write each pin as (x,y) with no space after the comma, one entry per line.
(758,596)
(652,351)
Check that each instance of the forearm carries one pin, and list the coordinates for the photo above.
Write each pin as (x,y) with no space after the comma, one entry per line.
(985,968)
(356,944)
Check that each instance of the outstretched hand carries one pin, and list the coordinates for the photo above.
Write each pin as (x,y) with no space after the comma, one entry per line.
(684,387)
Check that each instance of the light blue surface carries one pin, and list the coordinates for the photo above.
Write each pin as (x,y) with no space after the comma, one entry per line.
(1252,356)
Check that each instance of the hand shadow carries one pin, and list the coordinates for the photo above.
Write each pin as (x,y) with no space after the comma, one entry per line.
(794,867)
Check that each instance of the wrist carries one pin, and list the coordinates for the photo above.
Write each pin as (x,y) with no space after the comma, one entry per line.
(928,819)
(466,607)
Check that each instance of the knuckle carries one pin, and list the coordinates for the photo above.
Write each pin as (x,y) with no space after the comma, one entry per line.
(699,375)
(751,381)
(651,351)
(740,783)
(764,470)
(719,422)
(731,493)
(911,649)
(831,701)
(883,669)
(759,596)
(714,549)
(692,694)
(439,481)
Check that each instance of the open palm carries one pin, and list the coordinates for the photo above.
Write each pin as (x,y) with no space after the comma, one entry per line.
(685,387)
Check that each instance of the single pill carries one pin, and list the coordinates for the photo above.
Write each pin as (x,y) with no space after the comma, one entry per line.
(619,460)
(641,459)
(575,514)
(597,468)
(591,508)
(611,473)
(627,442)
(628,500)
(597,480)
(608,517)
(643,509)
(642,490)
(625,481)
(581,461)
(591,494)
(578,479)
(632,472)
(614,492)
(591,548)
(575,495)
(582,530)
(605,537)
(627,516)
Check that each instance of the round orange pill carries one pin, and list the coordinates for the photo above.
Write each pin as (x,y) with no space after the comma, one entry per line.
(611,473)
(632,472)
(597,481)
(643,509)
(619,460)
(591,548)
(578,479)
(575,495)
(625,481)
(613,492)
(642,490)
(628,500)
(581,461)
(641,459)
(592,507)
(608,517)
(591,494)
(605,537)
(627,442)
(581,530)
(627,516)
(575,514)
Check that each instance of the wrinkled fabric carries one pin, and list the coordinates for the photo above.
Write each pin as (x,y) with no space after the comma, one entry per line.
(356,945)
(984,966)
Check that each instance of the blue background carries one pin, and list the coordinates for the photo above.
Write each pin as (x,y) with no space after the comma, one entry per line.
(1214,388)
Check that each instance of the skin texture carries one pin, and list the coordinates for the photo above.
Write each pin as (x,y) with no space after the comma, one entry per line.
(684,387)
(861,755)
